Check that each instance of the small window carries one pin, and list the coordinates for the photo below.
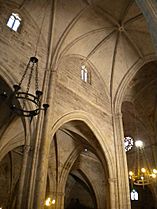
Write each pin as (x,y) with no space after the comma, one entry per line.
(14,22)
(84,74)
(134,195)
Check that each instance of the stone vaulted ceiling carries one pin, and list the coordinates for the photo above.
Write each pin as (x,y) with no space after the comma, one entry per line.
(112,35)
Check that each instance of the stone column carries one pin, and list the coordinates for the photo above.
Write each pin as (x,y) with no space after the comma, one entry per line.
(43,138)
(113,193)
(121,164)
(60,200)
(34,175)
(43,149)
(22,177)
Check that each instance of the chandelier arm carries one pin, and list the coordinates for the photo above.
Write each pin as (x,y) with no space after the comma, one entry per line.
(30,97)
(26,112)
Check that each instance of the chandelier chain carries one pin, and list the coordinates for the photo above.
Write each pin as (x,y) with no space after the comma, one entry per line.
(25,72)
(25,102)
(36,78)
(30,77)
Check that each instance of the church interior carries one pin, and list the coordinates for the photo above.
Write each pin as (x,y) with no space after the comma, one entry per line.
(78,116)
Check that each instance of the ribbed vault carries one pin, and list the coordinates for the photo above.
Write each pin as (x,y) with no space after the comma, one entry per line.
(111,34)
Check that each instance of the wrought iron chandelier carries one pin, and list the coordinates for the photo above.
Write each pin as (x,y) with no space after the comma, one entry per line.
(25,103)
(142,174)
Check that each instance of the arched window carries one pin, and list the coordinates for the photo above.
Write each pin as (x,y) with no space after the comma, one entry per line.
(84,74)
(14,21)
(134,195)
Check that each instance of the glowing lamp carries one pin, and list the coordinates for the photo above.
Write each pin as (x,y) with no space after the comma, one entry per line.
(48,201)
(143,170)
(131,173)
(155,171)
(53,201)
(139,144)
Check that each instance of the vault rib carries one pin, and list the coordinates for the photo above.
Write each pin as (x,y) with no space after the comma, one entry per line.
(131,20)
(136,49)
(113,64)
(71,44)
(67,30)
(108,16)
(138,31)
(125,12)
(100,44)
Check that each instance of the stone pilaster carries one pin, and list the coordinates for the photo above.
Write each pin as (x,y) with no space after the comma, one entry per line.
(22,177)
(113,193)
(60,200)
(121,164)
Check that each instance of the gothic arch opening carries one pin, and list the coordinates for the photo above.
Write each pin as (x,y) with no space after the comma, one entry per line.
(12,141)
(81,174)
(10,169)
(79,192)
(139,122)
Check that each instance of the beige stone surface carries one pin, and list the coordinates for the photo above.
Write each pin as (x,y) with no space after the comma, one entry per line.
(112,40)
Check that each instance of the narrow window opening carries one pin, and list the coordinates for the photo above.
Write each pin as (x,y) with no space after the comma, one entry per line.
(84,74)
(134,195)
(14,22)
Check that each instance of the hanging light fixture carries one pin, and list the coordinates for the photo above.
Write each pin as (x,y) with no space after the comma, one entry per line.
(142,174)
(24,102)
(49,201)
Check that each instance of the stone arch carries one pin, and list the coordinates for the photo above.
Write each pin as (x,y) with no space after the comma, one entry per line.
(95,190)
(9,80)
(108,164)
(126,80)
(68,165)
(15,134)
(84,117)
(121,92)
(93,186)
